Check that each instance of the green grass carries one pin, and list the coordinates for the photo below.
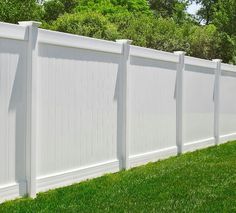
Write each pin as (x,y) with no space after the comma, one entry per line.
(202,181)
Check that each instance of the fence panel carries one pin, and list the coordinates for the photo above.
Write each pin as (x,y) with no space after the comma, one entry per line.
(198,107)
(228,103)
(12,111)
(78,113)
(152,106)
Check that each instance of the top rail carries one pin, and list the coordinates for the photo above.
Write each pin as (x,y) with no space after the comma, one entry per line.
(13,31)
(143,52)
(75,41)
(17,32)
(228,67)
(199,62)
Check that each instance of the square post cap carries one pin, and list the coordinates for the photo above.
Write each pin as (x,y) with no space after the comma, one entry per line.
(179,53)
(124,41)
(217,60)
(30,23)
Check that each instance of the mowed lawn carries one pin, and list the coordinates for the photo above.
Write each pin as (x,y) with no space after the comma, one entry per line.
(202,181)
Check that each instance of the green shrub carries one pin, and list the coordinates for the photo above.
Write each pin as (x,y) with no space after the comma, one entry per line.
(149,31)
(204,42)
(114,6)
(13,11)
(53,9)
(86,24)
(136,27)
(167,36)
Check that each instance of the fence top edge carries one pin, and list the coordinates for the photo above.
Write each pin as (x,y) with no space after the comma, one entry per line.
(228,67)
(149,53)
(13,31)
(199,62)
(18,32)
(77,41)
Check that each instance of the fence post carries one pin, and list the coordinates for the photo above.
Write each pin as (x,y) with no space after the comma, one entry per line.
(125,102)
(179,100)
(31,134)
(216,99)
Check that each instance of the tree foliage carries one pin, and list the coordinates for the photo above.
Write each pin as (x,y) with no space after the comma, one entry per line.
(224,16)
(53,9)
(206,12)
(86,24)
(19,10)
(170,8)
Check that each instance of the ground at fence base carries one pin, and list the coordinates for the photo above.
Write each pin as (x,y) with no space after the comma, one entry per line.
(194,182)
(68,177)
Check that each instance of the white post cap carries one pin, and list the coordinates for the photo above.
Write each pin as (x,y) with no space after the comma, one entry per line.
(216,60)
(30,23)
(124,41)
(179,53)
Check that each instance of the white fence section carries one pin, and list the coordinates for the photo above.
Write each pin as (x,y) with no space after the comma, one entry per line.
(73,108)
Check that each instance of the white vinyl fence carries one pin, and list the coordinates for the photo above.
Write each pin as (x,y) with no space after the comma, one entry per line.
(73,107)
